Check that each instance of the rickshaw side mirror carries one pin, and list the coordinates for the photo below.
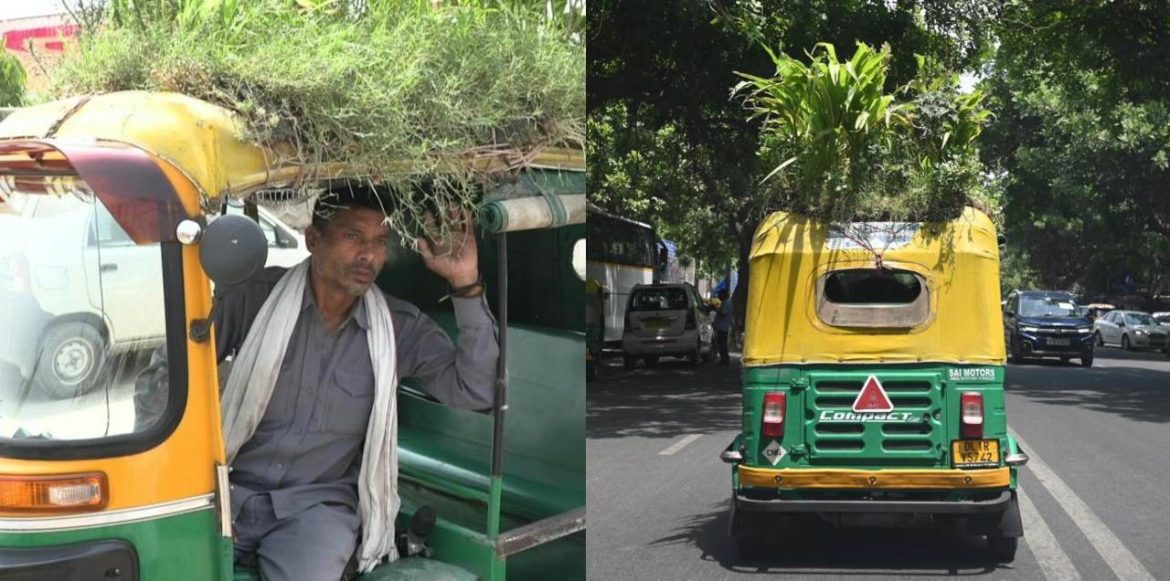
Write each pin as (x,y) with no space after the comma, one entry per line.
(232,249)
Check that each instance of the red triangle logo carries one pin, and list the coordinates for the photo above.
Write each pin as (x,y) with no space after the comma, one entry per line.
(873,398)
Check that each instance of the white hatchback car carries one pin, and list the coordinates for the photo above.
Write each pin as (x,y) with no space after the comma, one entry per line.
(1131,330)
(72,278)
(667,319)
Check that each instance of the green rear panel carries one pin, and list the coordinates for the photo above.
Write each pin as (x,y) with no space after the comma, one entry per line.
(175,548)
(928,395)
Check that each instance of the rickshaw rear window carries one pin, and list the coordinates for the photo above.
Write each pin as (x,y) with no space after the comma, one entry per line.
(869,297)
(872,286)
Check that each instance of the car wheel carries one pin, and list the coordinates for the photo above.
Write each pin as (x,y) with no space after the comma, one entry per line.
(1013,350)
(651,360)
(628,362)
(1002,549)
(1125,343)
(71,359)
(694,357)
(1100,339)
(1087,360)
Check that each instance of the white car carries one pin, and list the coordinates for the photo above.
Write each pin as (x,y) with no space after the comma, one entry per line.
(74,288)
(667,319)
(1131,330)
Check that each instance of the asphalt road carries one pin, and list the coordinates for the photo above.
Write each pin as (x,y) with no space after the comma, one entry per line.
(1094,497)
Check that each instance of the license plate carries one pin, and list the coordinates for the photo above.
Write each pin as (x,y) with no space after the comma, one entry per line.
(975,453)
(1060,342)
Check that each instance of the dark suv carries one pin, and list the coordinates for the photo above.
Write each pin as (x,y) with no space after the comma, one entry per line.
(1046,324)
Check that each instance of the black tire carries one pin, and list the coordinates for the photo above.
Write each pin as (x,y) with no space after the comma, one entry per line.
(651,360)
(696,356)
(1002,549)
(1100,339)
(628,362)
(1014,351)
(1125,343)
(71,360)
(1087,360)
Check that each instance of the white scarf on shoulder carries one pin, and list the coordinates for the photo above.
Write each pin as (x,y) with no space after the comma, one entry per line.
(253,378)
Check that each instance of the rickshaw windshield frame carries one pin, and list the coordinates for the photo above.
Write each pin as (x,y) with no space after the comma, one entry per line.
(140,197)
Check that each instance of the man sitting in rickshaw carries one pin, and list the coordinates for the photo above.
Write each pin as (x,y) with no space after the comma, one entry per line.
(309,413)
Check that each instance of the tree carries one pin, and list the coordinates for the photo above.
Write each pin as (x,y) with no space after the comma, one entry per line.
(1082,136)
(12,81)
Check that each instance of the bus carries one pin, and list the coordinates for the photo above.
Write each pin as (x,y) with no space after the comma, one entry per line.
(621,253)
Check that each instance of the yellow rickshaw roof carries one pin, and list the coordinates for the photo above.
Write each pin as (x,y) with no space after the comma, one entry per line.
(204,141)
(958,260)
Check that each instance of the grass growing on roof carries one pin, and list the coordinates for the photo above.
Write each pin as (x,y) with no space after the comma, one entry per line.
(403,91)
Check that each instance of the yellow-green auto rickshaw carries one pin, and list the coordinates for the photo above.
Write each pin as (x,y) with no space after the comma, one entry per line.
(106,215)
(873,381)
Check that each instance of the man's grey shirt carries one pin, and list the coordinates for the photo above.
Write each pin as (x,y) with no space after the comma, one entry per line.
(307,448)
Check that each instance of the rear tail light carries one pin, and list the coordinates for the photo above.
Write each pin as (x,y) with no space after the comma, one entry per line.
(691,320)
(775,405)
(971,415)
(56,493)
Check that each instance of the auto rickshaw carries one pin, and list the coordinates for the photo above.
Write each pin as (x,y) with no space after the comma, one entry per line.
(873,382)
(87,490)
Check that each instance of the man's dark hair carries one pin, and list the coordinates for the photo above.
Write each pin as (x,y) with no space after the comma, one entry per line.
(344,196)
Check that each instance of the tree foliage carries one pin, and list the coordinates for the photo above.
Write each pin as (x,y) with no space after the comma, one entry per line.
(1082,136)
(12,81)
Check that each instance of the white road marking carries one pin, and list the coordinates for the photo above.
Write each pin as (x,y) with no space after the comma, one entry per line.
(1054,562)
(1123,563)
(679,445)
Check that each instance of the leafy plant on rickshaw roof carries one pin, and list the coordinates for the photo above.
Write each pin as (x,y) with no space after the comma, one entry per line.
(405,92)
(847,150)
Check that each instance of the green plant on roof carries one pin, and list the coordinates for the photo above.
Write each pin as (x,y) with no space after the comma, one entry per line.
(406,92)
(846,149)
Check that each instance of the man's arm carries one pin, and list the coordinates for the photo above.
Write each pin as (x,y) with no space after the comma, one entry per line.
(462,375)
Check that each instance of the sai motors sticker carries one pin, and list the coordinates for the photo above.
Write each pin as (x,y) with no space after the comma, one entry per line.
(958,374)
(872,405)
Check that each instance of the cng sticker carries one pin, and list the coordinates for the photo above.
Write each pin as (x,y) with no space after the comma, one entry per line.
(774,452)
(873,397)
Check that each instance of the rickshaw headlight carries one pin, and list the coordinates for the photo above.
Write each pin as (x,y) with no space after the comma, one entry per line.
(54,493)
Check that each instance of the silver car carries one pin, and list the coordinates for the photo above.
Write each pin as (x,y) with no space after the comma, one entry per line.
(667,319)
(1130,330)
